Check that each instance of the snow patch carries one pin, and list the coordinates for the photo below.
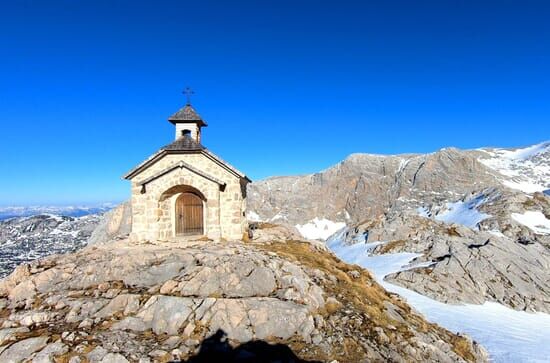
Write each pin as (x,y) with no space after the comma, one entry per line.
(536,221)
(464,213)
(508,335)
(524,186)
(497,233)
(461,212)
(424,212)
(319,228)
(526,153)
(253,216)
(277,217)
(524,169)
(55,217)
(57,232)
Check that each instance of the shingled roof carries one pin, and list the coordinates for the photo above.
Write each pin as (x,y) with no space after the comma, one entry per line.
(184,143)
(187,114)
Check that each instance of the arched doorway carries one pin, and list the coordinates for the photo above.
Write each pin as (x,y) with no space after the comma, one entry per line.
(189,215)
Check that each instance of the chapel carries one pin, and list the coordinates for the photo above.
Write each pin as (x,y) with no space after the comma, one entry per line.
(184,191)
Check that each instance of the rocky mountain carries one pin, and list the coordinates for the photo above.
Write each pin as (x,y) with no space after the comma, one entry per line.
(24,239)
(270,299)
(366,186)
(472,214)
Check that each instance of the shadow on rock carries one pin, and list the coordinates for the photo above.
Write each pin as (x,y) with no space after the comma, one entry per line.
(217,349)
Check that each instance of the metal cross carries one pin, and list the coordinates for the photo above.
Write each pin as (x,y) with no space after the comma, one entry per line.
(188,92)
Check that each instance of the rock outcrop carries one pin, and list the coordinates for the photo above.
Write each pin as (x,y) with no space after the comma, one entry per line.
(120,302)
(115,224)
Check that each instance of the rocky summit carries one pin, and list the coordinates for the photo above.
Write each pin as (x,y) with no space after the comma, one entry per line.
(268,299)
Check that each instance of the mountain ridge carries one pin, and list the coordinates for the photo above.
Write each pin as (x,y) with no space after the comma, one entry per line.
(78,210)
(386,198)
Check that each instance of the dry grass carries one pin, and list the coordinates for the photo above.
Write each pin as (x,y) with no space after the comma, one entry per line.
(204,239)
(5,313)
(461,346)
(529,203)
(363,297)
(452,231)
(391,246)
(264,225)
(332,307)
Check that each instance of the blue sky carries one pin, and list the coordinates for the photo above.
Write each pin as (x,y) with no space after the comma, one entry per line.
(287,87)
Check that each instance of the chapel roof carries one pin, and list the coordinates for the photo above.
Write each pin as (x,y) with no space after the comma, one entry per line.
(187,114)
(184,143)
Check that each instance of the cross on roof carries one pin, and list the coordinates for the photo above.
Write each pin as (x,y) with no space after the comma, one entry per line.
(188,92)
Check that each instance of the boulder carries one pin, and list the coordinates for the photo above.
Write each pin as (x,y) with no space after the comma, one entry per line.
(23,349)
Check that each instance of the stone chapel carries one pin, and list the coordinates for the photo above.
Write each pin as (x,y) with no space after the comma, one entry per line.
(186,191)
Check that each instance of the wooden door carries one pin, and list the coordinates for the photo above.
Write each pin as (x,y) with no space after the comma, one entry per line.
(189,215)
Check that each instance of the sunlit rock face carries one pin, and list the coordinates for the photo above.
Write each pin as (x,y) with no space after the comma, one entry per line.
(367,186)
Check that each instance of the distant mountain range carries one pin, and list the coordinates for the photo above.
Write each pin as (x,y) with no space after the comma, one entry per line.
(66,210)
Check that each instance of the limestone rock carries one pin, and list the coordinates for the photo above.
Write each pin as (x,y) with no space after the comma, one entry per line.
(125,303)
(166,314)
(170,297)
(51,351)
(117,223)
(97,354)
(114,358)
(7,335)
(23,349)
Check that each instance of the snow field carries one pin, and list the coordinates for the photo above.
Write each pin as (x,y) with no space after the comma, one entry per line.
(508,335)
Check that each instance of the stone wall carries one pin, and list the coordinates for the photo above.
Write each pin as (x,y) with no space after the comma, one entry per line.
(153,212)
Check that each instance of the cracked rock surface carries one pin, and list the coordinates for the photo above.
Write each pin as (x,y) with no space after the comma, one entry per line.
(470,265)
(120,302)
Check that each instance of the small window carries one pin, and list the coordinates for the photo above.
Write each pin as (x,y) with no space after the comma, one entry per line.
(185,132)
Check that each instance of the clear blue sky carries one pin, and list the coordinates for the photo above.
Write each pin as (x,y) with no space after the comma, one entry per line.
(287,87)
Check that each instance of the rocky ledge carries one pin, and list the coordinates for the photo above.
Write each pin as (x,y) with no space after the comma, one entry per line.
(289,300)
(499,260)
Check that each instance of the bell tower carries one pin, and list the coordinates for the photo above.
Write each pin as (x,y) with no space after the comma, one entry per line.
(187,121)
